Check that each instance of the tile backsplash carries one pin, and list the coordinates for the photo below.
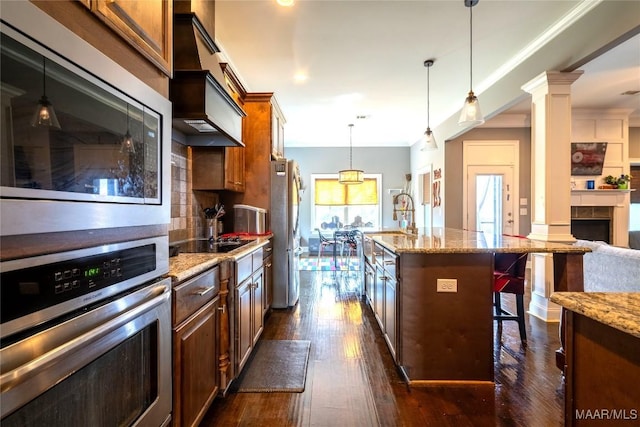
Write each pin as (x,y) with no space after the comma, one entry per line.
(187,205)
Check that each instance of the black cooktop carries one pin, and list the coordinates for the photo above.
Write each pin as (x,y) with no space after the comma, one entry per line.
(206,246)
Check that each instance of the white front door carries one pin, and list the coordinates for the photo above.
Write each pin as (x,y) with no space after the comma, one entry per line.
(490,200)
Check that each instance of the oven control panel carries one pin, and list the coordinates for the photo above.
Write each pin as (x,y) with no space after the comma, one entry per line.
(28,290)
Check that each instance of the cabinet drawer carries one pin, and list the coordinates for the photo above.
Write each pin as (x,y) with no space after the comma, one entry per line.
(389,262)
(267,249)
(194,293)
(243,268)
(258,258)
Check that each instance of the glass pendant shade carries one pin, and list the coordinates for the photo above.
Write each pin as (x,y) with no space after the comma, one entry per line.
(351,175)
(428,141)
(45,115)
(471,113)
(127,145)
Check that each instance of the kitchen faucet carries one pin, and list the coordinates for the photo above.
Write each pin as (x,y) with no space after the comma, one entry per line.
(411,228)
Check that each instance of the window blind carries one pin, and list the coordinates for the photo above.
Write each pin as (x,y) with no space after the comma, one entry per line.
(329,192)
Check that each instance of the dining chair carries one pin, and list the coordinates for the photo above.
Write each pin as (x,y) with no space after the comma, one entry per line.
(509,278)
(323,243)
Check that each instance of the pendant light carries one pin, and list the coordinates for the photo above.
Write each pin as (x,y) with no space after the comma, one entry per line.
(45,115)
(471,114)
(351,175)
(127,145)
(428,140)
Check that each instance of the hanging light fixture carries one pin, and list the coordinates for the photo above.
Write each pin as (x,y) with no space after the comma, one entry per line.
(351,175)
(428,140)
(127,145)
(471,114)
(45,115)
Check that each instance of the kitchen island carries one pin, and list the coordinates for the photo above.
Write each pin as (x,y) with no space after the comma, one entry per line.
(603,357)
(443,333)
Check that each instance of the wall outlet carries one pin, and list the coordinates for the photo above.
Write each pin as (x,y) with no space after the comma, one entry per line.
(447,285)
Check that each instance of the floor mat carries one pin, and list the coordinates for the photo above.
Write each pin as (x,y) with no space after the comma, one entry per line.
(276,366)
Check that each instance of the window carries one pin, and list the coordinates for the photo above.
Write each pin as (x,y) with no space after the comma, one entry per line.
(337,205)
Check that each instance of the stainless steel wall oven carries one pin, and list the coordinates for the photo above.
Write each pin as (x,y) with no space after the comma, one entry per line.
(86,337)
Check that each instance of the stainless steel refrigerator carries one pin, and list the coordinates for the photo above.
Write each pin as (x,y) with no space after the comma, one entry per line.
(284,214)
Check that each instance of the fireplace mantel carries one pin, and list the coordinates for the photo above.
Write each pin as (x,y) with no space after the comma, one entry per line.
(598,197)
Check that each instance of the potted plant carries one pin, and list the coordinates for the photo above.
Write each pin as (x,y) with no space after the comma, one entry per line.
(623,181)
(611,181)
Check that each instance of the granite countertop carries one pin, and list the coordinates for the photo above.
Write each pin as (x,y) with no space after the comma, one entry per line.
(449,240)
(620,310)
(186,265)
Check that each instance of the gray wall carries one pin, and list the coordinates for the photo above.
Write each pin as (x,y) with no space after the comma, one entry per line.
(454,172)
(392,162)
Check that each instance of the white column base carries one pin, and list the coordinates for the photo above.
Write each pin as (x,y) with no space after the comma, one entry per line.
(542,287)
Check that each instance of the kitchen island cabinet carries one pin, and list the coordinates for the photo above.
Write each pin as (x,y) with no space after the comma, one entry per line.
(602,357)
(441,334)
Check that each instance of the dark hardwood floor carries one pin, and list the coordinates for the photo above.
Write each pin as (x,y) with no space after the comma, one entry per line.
(352,381)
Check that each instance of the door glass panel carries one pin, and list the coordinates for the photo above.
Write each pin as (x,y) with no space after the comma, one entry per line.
(489,203)
(114,390)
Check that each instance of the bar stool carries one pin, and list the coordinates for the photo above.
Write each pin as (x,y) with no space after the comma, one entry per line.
(509,278)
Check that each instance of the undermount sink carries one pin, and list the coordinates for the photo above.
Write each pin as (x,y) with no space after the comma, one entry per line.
(207,246)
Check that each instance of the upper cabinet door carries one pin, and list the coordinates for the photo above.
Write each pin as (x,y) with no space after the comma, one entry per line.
(146,25)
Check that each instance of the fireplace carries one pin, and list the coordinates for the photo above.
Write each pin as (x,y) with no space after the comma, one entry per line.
(592,223)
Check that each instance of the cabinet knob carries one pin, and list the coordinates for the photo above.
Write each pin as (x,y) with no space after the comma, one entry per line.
(223,309)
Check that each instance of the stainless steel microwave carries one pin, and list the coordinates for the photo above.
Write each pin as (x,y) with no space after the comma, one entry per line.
(84,143)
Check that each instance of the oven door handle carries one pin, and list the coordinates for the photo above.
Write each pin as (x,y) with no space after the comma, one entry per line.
(19,363)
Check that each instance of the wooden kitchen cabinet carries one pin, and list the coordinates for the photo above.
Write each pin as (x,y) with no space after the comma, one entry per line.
(277,130)
(218,168)
(383,299)
(378,296)
(249,316)
(196,353)
(390,302)
(147,26)
(262,132)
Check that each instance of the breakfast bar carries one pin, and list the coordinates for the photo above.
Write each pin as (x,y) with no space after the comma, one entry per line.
(439,334)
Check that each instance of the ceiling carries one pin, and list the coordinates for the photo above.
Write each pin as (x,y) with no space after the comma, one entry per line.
(332,63)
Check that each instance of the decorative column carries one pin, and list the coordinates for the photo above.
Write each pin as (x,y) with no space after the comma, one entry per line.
(550,179)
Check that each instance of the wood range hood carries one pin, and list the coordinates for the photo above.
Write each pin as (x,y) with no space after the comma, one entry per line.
(203,110)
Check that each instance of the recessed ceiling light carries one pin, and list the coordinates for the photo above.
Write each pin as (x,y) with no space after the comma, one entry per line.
(300,77)
(285,3)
